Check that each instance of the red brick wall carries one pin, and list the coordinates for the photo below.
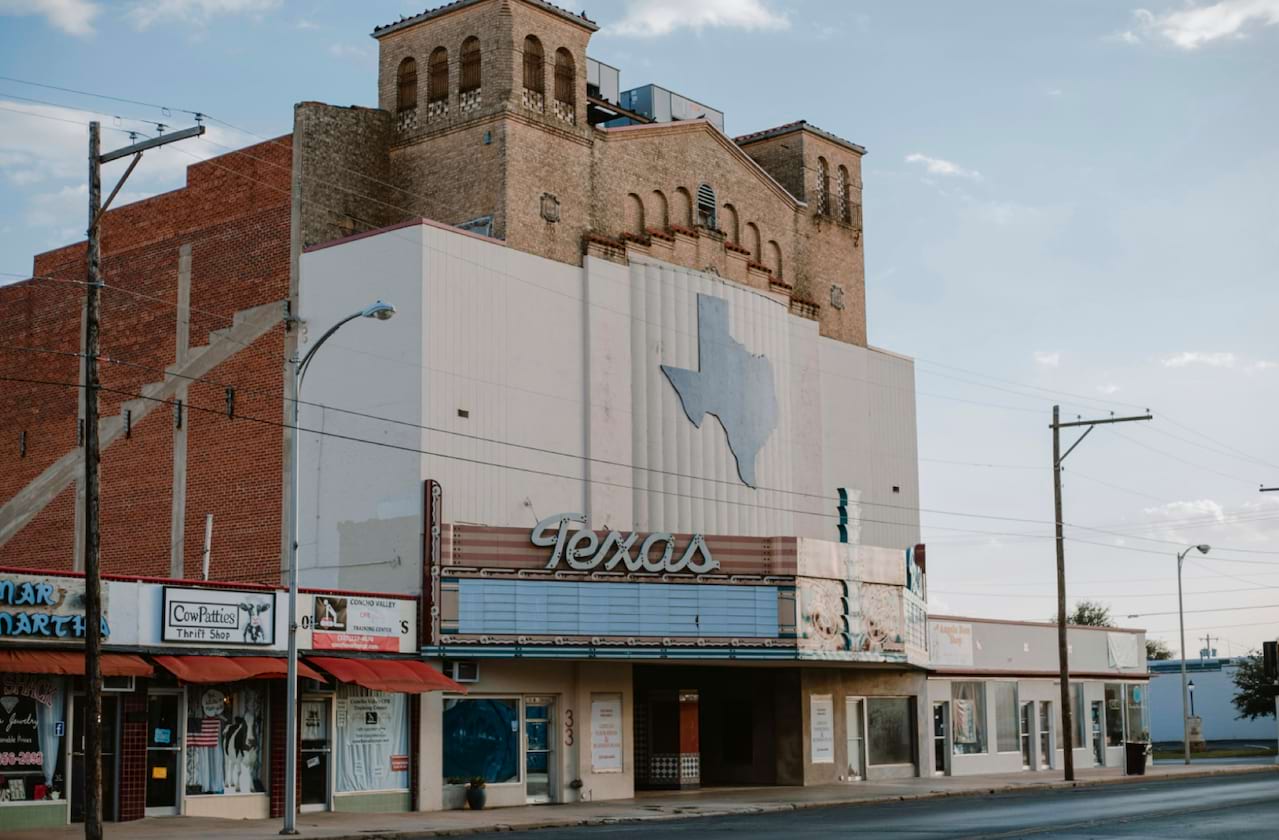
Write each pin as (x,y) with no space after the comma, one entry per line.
(234,213)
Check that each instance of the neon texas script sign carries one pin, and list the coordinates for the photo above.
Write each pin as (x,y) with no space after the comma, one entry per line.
(583,550)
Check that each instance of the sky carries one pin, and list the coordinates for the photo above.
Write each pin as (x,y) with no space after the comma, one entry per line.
(1068,202)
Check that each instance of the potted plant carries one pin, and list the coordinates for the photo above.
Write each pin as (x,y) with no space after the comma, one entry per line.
(475,794)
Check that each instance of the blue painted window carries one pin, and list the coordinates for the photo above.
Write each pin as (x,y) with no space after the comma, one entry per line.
(481,738)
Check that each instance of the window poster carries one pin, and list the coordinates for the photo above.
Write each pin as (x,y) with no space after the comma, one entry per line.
(965,717)
(606,733)
(372,740)
(821,723)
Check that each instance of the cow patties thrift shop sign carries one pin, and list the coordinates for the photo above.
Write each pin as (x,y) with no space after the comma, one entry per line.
(218,617)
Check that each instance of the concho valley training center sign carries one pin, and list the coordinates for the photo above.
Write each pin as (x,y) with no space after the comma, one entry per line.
(349,622)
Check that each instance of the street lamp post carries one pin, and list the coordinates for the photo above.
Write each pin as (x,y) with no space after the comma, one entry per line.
(1191,686)
(380,311)
(1185,689)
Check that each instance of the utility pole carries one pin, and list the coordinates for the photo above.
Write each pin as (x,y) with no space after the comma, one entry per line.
(1063,651)
(92,570)
(1208,653)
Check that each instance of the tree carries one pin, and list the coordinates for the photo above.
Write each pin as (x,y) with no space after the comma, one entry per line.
(1157,649)
(1089,614)
(1252,697)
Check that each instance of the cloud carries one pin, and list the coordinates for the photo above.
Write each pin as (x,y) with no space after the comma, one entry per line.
(1194,26)
(651,18)
(938,166)
(147,13)
(1219,360)
(74,17)
(350,52)
(1108,389)
(1048,359)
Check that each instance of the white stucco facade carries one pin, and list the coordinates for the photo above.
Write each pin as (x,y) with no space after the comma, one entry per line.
(526,387)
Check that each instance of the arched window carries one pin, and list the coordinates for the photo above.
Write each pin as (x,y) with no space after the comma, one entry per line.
(841,195)
(534,65)
(730,224)
(706,206)
(406,85)
(438,82)
(823,187)
(470,65)
(658,217)
(752,240)
(565,77)
(634,215)
(775,259)
(682,208)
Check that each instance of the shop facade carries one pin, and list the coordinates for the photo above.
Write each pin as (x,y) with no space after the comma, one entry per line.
(994,696)
(194,700)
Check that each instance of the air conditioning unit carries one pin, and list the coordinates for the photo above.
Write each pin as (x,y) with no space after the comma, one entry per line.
(123,685)
(462,670)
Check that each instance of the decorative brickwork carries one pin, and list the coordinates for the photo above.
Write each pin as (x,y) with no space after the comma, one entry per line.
(133,755)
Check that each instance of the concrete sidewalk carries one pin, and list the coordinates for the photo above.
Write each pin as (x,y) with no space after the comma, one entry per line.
(649,806)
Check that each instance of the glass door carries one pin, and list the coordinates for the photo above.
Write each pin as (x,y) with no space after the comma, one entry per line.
(108,730)
(941,755)
(539,748)
(164,744)
(316,751)
(855,720)
(1027,725)
(1098,734)
(1045,734)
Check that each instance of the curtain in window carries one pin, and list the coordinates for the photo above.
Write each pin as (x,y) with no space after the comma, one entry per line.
(1007,728)
(372,740)
(968,717)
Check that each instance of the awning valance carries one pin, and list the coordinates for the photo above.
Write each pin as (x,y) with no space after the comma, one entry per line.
(402,675)
(221,669)
(71,663)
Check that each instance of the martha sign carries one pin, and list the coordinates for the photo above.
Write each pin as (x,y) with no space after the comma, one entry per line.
(584,550)
(218,616)
(39,608)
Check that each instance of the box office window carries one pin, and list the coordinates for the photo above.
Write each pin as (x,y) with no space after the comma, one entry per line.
(892,730)
(1114,715)
(1007,728)
(225,739)
(31,706)
(372,740)
(481,738)
(1138,721)
(968,717)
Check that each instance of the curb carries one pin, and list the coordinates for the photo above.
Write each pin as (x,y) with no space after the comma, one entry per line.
(773,808)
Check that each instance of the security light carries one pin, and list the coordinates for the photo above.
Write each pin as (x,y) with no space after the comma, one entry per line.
(383,310)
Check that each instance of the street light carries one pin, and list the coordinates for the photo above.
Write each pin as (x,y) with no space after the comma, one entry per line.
(1185,689)
(1191,686)
(381,311)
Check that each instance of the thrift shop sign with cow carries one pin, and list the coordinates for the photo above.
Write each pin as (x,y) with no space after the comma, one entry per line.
(219,617)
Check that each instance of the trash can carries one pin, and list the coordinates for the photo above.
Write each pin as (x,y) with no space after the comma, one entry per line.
(1135,757)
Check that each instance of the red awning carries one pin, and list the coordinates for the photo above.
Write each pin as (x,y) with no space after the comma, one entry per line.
(70,663)
(220,669)
(404,675)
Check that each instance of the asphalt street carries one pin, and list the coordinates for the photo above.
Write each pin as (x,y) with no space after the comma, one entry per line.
(1203,809)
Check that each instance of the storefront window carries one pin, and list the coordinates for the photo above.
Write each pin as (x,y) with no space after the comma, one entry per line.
(481,738)
(1114,715)
(892,730)
(224,745)
(1080,737)
(1138,722)
(30,708)
(372,740)
(968,716)
(1007,730)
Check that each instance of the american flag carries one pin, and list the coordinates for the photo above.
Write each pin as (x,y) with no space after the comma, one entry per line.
(207,734)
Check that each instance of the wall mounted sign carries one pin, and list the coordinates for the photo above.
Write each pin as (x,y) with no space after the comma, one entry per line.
(218,617)
(342,622)
(950,643)
(583,550)
(821,726)
(36,608)
(606,733)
